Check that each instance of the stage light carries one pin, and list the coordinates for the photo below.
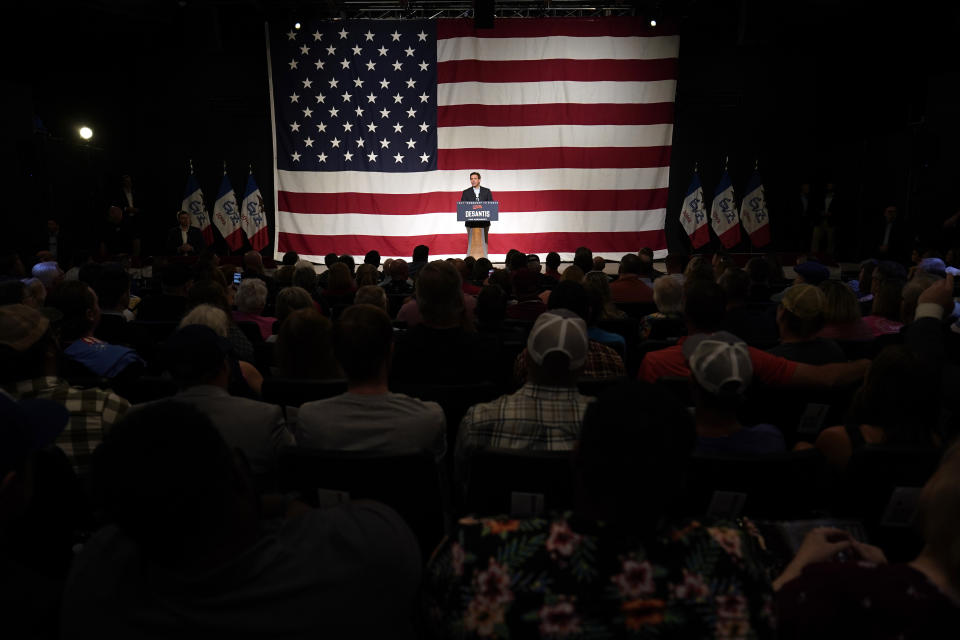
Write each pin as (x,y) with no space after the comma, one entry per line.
(653,22)
(85,132)
(296,26)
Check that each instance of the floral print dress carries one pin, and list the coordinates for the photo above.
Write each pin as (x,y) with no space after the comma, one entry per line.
(563,577)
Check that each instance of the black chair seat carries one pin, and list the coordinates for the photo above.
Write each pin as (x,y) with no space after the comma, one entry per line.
(293,392)
(518,481)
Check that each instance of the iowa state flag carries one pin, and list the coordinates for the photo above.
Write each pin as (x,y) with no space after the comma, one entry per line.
(194,204)
(226,215)
(252,216)
(723,213)
(693,215)
(753,212)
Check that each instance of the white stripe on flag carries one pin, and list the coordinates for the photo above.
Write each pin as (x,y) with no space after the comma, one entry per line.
(558,47)
(555,136)
(450,181)
(555,92)
(444,222)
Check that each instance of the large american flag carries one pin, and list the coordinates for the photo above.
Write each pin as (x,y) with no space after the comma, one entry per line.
(379,123)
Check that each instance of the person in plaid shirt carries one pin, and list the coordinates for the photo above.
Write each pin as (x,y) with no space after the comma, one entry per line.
(28,356)
(546,413)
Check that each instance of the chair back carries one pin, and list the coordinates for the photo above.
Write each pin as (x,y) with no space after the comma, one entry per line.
(518,482)
(410,484)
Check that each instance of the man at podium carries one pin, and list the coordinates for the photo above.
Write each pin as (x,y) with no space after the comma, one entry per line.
(476,193)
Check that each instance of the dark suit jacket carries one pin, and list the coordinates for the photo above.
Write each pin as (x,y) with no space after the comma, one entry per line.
(485,196)
(194,238)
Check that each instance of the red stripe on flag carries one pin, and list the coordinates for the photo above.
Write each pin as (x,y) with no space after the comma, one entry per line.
(760,237)
(507,115)
(260,239)
(235,239)
(542,27)
(417,203)
(556,70)
(700,237)
(730,237)
(554,157)
(447,244)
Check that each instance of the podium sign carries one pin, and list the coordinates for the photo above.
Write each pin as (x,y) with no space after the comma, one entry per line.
(483,211)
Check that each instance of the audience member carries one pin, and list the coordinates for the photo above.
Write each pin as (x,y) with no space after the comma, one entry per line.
(199,360)
(598,290)
(289,300)
(884,318)
(553,266)
(213,293)
(800,317)
(546,413)
(609,569)
(190,550)
(760,287)
(841,314)
(412,314)
(421,254)
(893,406)
(698,268)
(367,275)
(340,286)
(245,380)
(583,258)
(629,286)
(667,321)
(602,361)
(399,282)
(29,370)
(251,299)
(328,260)
(348,260)
(34,294)
(171,304)
(49,273)
(371,294)
(721,372)
(754,323)
(675,264)
(304,347)
(113,295)
(867,597)
(436,349)
(368,417)
(526,288)
(88,355)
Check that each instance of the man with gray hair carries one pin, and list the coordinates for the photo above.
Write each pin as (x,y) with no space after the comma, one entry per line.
(546,413)
(49,273)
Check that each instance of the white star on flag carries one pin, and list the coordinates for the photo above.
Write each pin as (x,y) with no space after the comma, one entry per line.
(347,126)
(295,127)
(307,83)
(357,82)
(295,156)
(321,157)
(371,127)
(359,142)
(411,112)
(371,97)
(293,64)
(330,50)
(294,98)
(384,144)
(410,83)
(358,111)
(291,35)
(371,156)
(398,128)
(423,65)
(382,50)
(321,128)
(397,65)
(384,83)
(422,37)
(307,112)
(411,143)
(356,50)
(371,65)
(424,96)
(424,126)
(333,112)
(320,98)
(319,65)
(398,158)
(305,50)
(396,36)
(346,96)
(333,83)
(397,99)
(348,156)
(424,158)
(409,52)
(344,64)
(384,113)
(343,34)
(317,36)
(335,143)
(308,141)
(369,35)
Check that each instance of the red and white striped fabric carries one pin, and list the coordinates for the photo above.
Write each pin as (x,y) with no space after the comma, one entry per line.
(569,121)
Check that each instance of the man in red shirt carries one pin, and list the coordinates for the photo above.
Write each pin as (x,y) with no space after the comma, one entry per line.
(703,309)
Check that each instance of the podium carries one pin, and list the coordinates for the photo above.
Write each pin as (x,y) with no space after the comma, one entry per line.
(478,216)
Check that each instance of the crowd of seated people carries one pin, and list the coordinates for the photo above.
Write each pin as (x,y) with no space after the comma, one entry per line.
(177,426)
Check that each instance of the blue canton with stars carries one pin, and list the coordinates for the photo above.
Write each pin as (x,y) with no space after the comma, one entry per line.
(356,96)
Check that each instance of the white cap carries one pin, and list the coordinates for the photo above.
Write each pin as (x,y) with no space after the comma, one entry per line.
(559,330)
